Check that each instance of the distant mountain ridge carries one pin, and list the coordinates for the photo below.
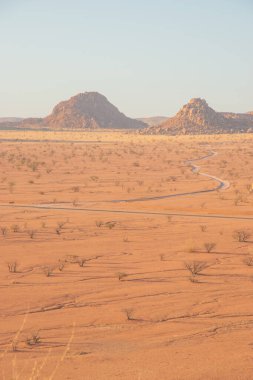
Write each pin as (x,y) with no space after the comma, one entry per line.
(89,110)
(196,117)
(10,119)
(10,122)
(153,120)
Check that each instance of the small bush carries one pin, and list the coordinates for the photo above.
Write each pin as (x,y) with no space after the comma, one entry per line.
(129,314)
(48,271)
(209,247)
(15,228)
(31,234)
(61,265)
(241,235)
(61,224)
(12,267)
(34,339)
(76,189)
(121,275)
(196,267)
(81,261)
(110,225)
(248,261)
(14,346)
(4,230)
(203,228)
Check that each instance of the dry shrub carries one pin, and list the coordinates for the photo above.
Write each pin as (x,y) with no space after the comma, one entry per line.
(196,267)
(248,261)
(33,339)
(121,275)
(129,314)
(209,247)
(241,235)
(81,261)
(48,271)
(12,266)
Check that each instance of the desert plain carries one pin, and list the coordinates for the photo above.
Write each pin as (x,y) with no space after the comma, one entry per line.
(119,259)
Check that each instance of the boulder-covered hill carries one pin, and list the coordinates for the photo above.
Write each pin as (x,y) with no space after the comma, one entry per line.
(196,117)
(89,110)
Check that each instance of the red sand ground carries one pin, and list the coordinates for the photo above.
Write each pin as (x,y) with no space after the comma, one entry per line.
(107,295)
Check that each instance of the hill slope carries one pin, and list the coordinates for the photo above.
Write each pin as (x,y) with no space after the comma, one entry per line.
(87,110)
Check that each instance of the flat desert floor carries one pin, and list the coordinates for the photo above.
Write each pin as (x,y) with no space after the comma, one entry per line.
(119,259)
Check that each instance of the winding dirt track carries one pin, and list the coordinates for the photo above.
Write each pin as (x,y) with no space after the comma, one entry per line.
(221,185)
(135,212)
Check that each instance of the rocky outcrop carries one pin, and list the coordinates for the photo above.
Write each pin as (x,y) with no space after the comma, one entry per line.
(89,110)
(196,117)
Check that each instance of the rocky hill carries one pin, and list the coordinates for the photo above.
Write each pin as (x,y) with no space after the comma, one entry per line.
(89,110)
(196,117)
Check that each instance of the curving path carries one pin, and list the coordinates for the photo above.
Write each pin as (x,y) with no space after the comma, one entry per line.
(221,184)
(129,212)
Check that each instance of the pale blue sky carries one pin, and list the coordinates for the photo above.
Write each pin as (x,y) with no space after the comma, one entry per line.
(147,57)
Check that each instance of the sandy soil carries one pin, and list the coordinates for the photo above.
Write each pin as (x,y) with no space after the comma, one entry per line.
(97,289)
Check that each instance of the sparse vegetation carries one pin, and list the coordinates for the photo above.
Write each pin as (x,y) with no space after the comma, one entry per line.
(168,269)
(121,276)
(242,235)
(248,261)
(48,270)
(4,230)
(33,339)
(31,234)
(209,247)
(203,228)
(129,314)
(81,261)
(12,266)
(196,267)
